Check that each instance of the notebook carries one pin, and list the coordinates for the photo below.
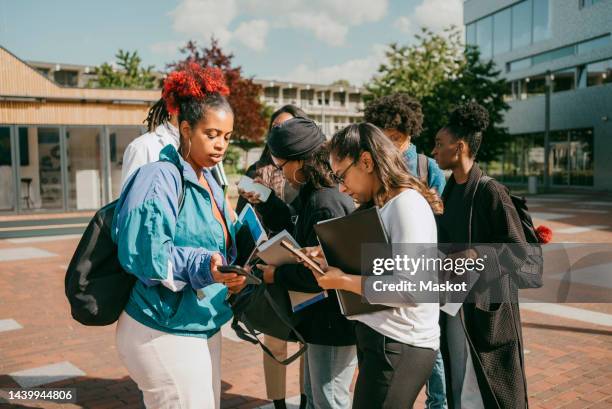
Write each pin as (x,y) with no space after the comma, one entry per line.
(249,235)
(341,239)
(271,252)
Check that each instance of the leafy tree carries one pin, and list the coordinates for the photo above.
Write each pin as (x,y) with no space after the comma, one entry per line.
(440,72)
(129,75)
(249,121)
(342,82)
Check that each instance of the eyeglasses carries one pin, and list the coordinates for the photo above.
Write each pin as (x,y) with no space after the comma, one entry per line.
(280,167)
(339,179)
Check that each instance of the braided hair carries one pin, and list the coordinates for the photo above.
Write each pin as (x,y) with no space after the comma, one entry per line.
(158,114)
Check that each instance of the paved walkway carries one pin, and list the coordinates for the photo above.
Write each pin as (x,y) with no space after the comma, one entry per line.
(568,347)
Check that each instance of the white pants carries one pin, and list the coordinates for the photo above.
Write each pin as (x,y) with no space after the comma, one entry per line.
(172,371)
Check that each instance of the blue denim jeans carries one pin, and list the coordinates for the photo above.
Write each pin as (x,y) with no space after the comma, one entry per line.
(328,372)
(435,389)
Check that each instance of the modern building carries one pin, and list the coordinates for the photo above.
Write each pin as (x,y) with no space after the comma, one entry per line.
(556,49)
(62,144)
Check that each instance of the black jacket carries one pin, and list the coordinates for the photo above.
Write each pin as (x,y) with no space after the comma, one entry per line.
(492,329)
(321,323)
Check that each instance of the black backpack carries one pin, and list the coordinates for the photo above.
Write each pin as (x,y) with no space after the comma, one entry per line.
(266,309)
(96,285)
(530,275)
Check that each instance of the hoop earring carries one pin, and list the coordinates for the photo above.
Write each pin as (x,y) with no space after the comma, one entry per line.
(295,177)
(188,151)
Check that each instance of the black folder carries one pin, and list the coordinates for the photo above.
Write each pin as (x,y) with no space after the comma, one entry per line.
(341,241)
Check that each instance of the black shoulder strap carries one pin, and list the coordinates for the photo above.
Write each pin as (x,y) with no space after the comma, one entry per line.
(182,196)
(482,182)
(253,338)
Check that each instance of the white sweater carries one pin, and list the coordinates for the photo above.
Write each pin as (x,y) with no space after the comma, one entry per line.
(408,218)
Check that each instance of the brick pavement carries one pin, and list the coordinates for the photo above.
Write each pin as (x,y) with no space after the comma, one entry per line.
(569,363)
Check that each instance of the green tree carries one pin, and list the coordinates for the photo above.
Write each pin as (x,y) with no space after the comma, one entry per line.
(130,74)
(440,72)
(342,82)
(249,123)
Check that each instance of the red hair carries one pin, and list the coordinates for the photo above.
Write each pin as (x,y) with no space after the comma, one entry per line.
(192,82)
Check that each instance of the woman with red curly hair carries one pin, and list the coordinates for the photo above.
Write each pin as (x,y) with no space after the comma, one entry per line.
(173,229)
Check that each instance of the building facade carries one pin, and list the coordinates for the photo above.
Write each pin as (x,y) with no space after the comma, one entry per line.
(61,144)
(562,48)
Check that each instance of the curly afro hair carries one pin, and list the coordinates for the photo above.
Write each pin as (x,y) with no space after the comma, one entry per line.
(397,111)
(468,121)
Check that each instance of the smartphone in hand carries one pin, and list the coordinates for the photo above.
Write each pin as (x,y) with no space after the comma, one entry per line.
(248,185)
(303,257)
(250,278)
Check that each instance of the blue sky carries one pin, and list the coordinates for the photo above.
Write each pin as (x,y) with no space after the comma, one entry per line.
(311,41)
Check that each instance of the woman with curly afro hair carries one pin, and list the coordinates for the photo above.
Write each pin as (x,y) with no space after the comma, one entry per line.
(400,117)
(482,344)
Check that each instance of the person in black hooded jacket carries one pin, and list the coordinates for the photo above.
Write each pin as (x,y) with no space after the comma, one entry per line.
(297,147)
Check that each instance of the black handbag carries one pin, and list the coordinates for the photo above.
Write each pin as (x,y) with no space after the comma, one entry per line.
(96,285)
(266,309)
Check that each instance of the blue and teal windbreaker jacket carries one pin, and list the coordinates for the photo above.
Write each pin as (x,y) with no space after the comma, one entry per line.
(169,252)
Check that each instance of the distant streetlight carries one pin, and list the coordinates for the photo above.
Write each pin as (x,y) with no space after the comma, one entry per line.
(548,90)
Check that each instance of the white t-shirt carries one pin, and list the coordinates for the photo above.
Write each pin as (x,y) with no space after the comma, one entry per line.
(408,218)
(146,148)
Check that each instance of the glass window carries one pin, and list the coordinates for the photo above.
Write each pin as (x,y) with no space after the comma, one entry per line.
(599,73)
(520,64)
(84,168)
(553,55)
(119,139)
(501,32)
(68,78)
(40,168)
(7,182)
(564,80)
(470,34)
(535,85)
(588,46)
(571,158)
(541,20)
(484,36)
(521,24)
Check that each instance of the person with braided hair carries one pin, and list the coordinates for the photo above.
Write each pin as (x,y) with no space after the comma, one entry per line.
(162,130)
(174,228)
(482,344)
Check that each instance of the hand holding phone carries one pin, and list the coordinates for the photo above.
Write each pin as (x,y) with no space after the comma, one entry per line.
(248,185)
(310,263)
(250,278)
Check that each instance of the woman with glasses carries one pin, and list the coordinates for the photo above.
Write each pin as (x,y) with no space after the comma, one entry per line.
(297,148)
(266,173)
(396,347)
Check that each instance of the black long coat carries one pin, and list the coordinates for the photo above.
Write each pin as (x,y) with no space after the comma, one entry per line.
(492,329)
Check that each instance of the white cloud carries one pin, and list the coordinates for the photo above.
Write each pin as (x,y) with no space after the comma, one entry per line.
(357,71)
(328,20)
(204,18)
(404,24)
(252,34)
(322,26)
(168,48)
(432,14)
